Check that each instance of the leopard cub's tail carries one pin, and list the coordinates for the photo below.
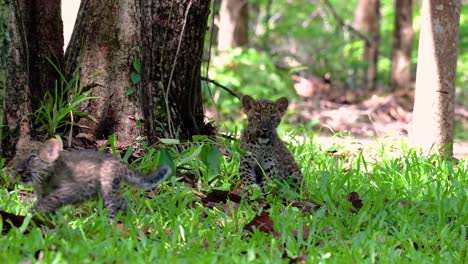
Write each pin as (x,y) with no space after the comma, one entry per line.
(149,181)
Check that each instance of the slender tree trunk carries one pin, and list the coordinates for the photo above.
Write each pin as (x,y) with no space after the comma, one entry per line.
(433,114)
(368,22)
(233,24)
(102,50)
(172,47)
(36,34)
(400,76)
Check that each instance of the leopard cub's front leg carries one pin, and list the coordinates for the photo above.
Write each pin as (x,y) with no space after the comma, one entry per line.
(247,170)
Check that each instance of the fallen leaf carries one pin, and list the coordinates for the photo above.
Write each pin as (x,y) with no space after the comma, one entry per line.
(354,199)
(261,222)
(231,208)
(305,233)
(306,206)
(301,259)
(12,220)
(205,244)
(220,196)
(187,177)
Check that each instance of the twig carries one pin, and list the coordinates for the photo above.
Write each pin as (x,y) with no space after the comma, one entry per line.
(227,136)
(209,60)
(166,95)
(340,21)
(211,41)
(71,129)
(222,86)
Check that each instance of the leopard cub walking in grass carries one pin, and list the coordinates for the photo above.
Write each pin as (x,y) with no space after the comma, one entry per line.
(62,177)
(266,154)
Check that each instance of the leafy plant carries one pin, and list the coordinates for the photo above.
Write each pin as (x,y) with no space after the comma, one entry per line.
(61,108)
(110,142)
(135,75)
(3,171)
(211,157)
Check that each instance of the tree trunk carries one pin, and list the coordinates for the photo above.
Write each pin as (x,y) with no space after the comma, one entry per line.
(233,24)
(45,41)
(172,47)
(400,76)
(433,114)
(102,50)
(104,45)
(36,34)
(105,53)
(368,22)
(4,44)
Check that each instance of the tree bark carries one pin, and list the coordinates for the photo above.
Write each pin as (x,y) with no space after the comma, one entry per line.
(36,34)
(433,114)
(168,97)
(368,22)
(172,47)
(4,45)
(233,24)
(102,50)
(400,75)
(45,41)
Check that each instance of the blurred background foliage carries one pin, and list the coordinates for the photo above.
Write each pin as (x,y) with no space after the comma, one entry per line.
(301,36)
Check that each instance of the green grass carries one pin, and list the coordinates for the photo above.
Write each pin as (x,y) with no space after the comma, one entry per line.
(414,212)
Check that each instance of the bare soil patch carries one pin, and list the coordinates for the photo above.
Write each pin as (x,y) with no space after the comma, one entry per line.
(378,119)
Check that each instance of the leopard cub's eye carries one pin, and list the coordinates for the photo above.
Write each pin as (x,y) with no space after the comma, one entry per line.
(31,158)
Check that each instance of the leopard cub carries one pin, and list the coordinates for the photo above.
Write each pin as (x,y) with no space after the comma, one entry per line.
(266,154)
(62,177)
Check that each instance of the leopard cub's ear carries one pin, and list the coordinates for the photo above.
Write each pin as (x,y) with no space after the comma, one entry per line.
(50,150)
(282,105)
(247,103)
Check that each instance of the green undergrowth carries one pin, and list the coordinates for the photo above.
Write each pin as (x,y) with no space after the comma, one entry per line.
(413,211)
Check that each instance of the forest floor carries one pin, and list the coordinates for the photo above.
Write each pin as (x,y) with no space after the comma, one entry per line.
(384,119)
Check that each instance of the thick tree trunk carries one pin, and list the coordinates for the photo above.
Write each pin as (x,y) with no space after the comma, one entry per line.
(4,44)
(433,114)
(45,41)
(168,98)
(400,76)
(368,22)
(102,50)
(172,47)
(233,24)
(36,34)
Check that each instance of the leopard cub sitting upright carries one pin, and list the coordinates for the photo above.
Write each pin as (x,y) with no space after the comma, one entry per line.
(266,152)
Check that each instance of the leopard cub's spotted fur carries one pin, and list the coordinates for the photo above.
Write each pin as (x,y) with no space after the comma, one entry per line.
(62,177)
(266,152)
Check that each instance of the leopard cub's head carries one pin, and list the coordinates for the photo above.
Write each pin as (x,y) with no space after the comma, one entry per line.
(264,115)
(34,158)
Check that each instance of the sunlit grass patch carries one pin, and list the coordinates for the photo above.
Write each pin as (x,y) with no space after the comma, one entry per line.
(413,210)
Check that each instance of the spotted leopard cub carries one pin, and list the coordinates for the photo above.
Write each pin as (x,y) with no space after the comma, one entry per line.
(266,152)
(62,177)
